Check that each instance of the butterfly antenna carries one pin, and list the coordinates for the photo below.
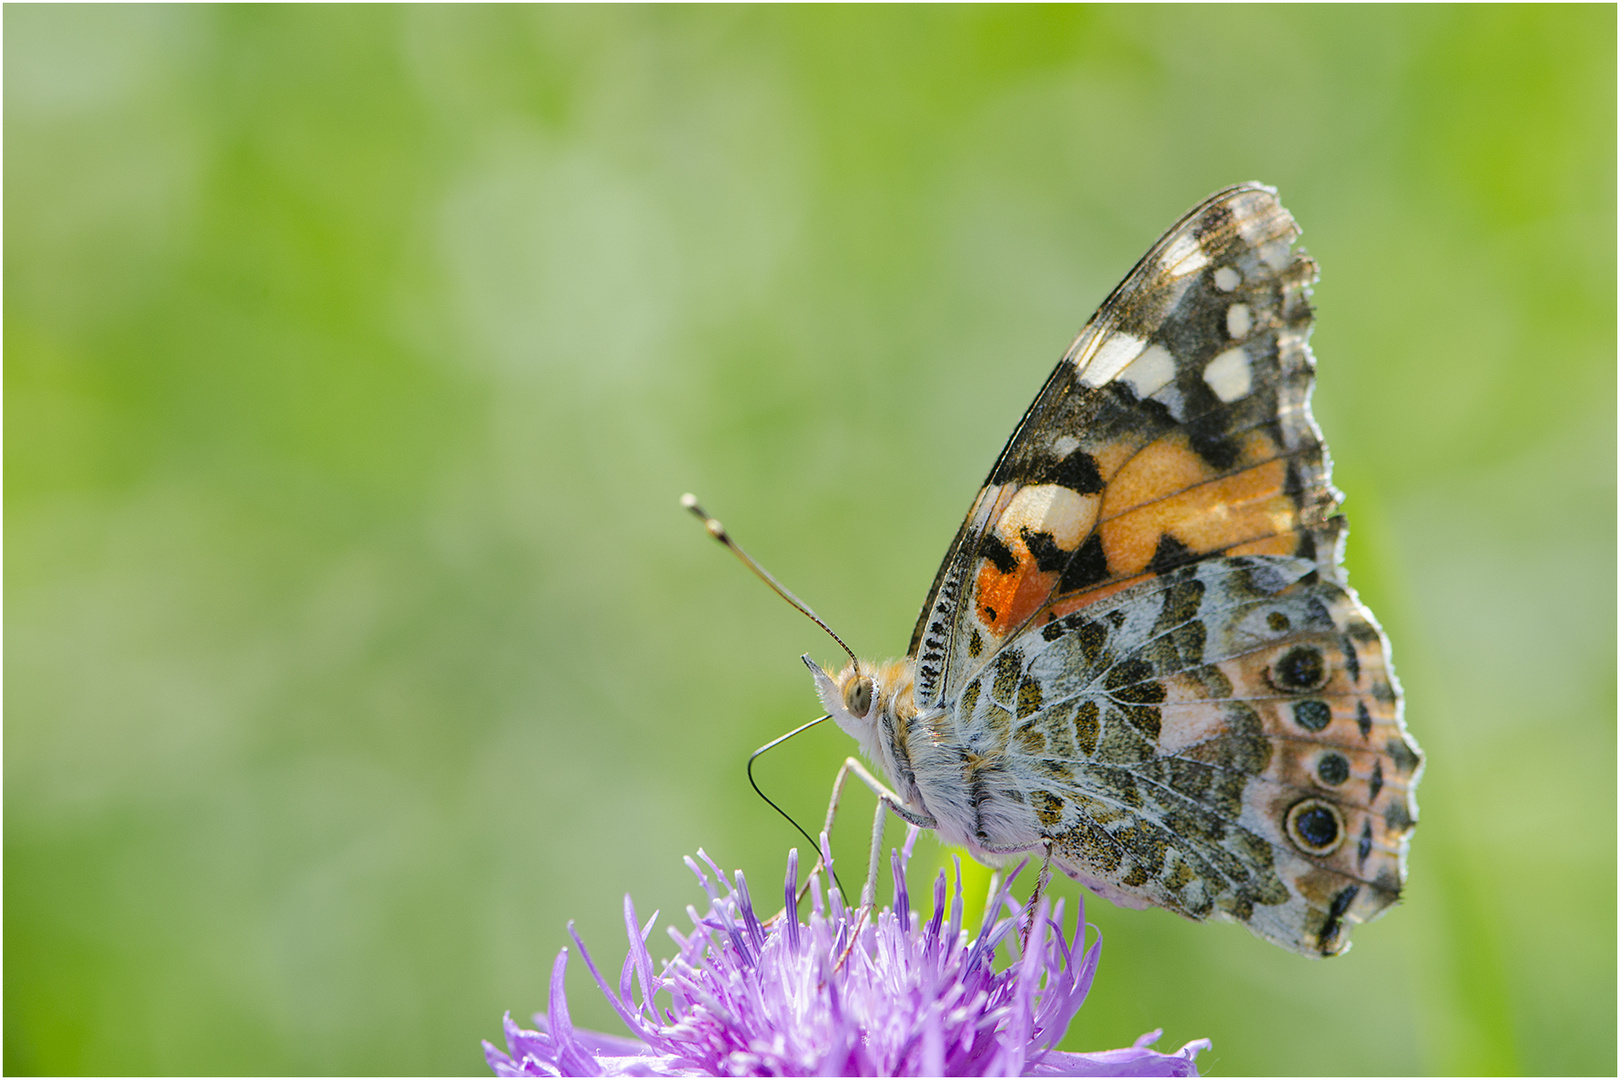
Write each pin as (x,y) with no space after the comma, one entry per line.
(718,531)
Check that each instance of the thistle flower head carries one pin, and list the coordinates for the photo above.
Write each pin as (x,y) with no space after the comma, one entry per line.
(839,994)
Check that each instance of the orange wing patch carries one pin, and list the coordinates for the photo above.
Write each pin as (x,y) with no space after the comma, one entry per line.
(1169,491)
(1041,527)
(1164,498)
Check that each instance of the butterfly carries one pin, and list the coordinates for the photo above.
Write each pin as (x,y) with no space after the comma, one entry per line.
(1140,659)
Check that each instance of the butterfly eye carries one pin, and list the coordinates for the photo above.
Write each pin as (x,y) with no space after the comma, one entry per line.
(858,698)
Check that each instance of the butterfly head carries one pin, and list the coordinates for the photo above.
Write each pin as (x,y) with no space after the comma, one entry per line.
(871,702)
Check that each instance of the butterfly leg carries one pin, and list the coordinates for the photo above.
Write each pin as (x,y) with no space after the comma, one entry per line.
(869,890)
(887,801)
(1044,844)
(1041,883)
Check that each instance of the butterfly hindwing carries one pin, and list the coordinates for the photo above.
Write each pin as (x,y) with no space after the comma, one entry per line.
(1177,427)
(1223,739)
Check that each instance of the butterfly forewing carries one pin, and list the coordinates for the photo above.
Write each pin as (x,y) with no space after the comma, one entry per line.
(1177,427)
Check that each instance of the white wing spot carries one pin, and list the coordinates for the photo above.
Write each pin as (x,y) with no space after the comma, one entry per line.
(1228,374)
(1150,371)
(1064,514)
(1064,445)
(1227,279)
(1184,256)
(1255,214)
(1115,351)
(1275,254)
(1171,399)
(1238,321)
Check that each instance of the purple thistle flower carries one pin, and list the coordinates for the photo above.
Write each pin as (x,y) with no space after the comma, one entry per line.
(838,995)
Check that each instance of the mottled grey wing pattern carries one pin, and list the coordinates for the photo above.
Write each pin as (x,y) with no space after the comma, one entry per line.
(1224,739)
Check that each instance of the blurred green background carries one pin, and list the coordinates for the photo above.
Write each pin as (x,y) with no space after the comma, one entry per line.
(355,359)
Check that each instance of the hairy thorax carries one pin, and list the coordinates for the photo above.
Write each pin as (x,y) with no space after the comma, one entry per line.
(962,778)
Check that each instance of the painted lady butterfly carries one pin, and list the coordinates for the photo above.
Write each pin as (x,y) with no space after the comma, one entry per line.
(1140,658)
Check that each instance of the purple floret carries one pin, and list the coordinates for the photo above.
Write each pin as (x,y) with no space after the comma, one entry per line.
(837,995)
